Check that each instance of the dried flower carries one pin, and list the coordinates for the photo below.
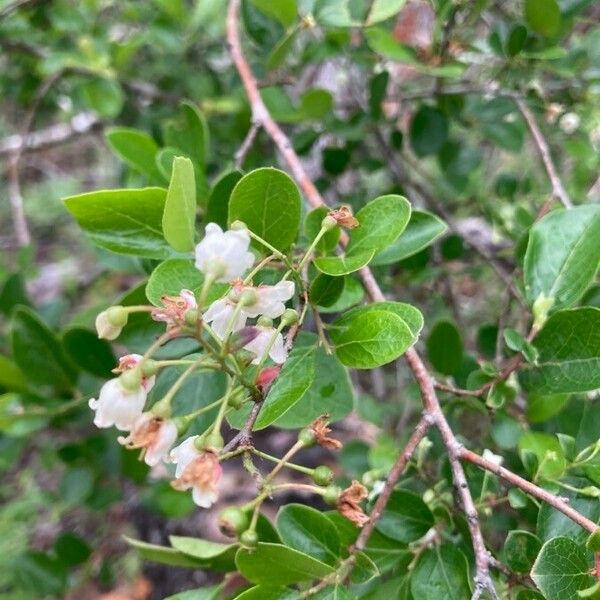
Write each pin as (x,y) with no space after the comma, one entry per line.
(174,309)
(344,217)
(320,428)
(349,501)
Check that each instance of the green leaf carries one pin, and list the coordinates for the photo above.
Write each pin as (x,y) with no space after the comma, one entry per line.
(282,49)
(268,201)
(312,226)
(216,556)
(189,133)
(445,348)
(563,254)
(123,221)
(268,592)
(163,554)
(325,289)
(11,377)
(285,11)
(343,265)
(381,221)
(593,541)
(569,354)
(381,10)
(217,206)
(507,135)
(88,352)
(406,517)
(421,231)
(71,549)
(310,531)
(541,408)
(547,450)
(428,131)
(520,550)
(316,103)
(179,217)
(345,13)
(39,575)
(441,573)
(214,592)
(38,352)
(275,564)
(543,16)
(137,149)
(561,569)
(351,295)
(364,569)
(370,336)
(104,96)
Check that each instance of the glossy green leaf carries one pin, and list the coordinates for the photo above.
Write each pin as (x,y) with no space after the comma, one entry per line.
(344,13)
(551,462)
(541,408)
(370,336)
(520,550)
(105,96)
(543,16)
(441,572)
(351,295)
(189,133)
(123,221)
(275,564)
(381,10)
(11,376)
(421,231)
(268,201)
(561,569)
(268,592)
(428,131)
(164,555)
(381,221)
(217,206)
(364,569)
(563,254)
(325,289)
(569,354)
(345,264)
(310,531)
(445,348)
(179,216)
(312,226)
(406,517)
(136,148)
(217,557)
(316,103)
(38,352)
(88,352)
(214,592)
(285,11)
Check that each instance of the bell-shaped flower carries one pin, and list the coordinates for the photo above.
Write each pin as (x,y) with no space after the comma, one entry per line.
(153,435)
(224,255)
(198,470)
(270,299)
(110,322)
(219,315)
(263,343)
(130,361)
(174,309)
(118,405)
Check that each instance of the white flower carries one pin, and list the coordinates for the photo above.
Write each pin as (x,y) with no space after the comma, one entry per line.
(219,314)
(569,122)
(110,322)
(118,406)
(262,341)
(270,299)
(493,458)
(129,361)
(224,255)
(153,435)
(174,309)
(198,470)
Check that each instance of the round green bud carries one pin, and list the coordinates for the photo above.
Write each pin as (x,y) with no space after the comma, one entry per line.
(289,317)
(307,437)
(322,475)
(214,441)
(263,321)
(233,521)
(149,368)
(237,398)
(191,317)
(369,478)
(248,297)
(131,380)
(117,316)
(332,494)
(249,539)
(238,225)
(328,223)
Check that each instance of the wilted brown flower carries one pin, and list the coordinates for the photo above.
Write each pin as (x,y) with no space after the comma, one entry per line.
(349,501)
(320,428)
(174,308)
(344,217)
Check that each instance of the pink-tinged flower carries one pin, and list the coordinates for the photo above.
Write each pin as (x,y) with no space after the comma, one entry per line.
(260,346)
(117,405)
(224,255)
(174,309)
(219,315)
(269,299)
(153,435)
(266,377)
(130,361)
(198,470)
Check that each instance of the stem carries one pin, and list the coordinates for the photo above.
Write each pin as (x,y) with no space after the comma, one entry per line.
(274,459)
(266,244)
(259,266)
(265,355)
(210,279)
(311,248)
(282,462)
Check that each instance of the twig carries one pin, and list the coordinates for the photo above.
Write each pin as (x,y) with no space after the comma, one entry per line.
(240,155)
(540,141)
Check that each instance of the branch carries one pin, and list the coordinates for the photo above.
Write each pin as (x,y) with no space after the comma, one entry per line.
(240,155)
(540,141)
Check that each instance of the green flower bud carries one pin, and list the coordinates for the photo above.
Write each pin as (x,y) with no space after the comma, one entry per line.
(263,321)
(191,317)
(328,223)
(332,494)
(233,521)
(289,317)
(307,437)
(249,539)
(322,475)
(214,441)
(131,379)
(149,368)
(248,297)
